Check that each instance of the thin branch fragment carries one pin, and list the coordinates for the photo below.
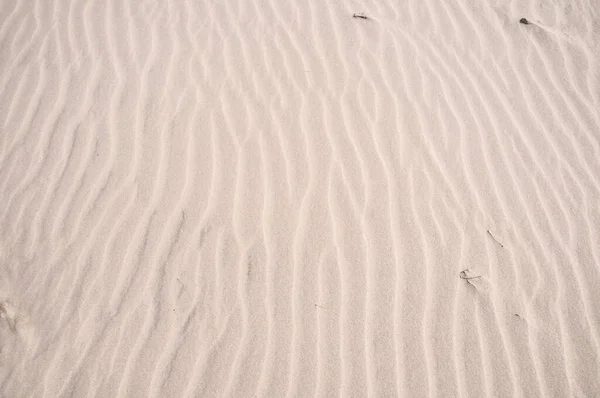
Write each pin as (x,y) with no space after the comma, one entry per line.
(495,240)
(464,274)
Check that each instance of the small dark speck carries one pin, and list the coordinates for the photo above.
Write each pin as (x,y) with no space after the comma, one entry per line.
(524,21)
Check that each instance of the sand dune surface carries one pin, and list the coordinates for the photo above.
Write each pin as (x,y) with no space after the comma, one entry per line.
(274,198)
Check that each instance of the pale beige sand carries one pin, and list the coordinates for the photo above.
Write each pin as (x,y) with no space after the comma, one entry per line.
(270,198)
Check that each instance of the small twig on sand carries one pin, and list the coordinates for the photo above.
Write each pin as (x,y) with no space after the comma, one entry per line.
(495,240)
(525,21)
(360,15)
(464,274)
(518,316)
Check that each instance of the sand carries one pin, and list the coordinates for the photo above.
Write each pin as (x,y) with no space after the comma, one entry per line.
(270,198)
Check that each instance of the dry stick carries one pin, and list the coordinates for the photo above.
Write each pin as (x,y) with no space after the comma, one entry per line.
(362,16)
(463,275)
(495,240)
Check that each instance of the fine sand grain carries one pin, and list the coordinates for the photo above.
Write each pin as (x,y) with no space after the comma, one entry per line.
(276,198)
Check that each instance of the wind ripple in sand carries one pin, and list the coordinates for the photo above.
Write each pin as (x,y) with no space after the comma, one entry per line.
(231,199)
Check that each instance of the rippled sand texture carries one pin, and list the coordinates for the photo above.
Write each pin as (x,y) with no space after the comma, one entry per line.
(269,198)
